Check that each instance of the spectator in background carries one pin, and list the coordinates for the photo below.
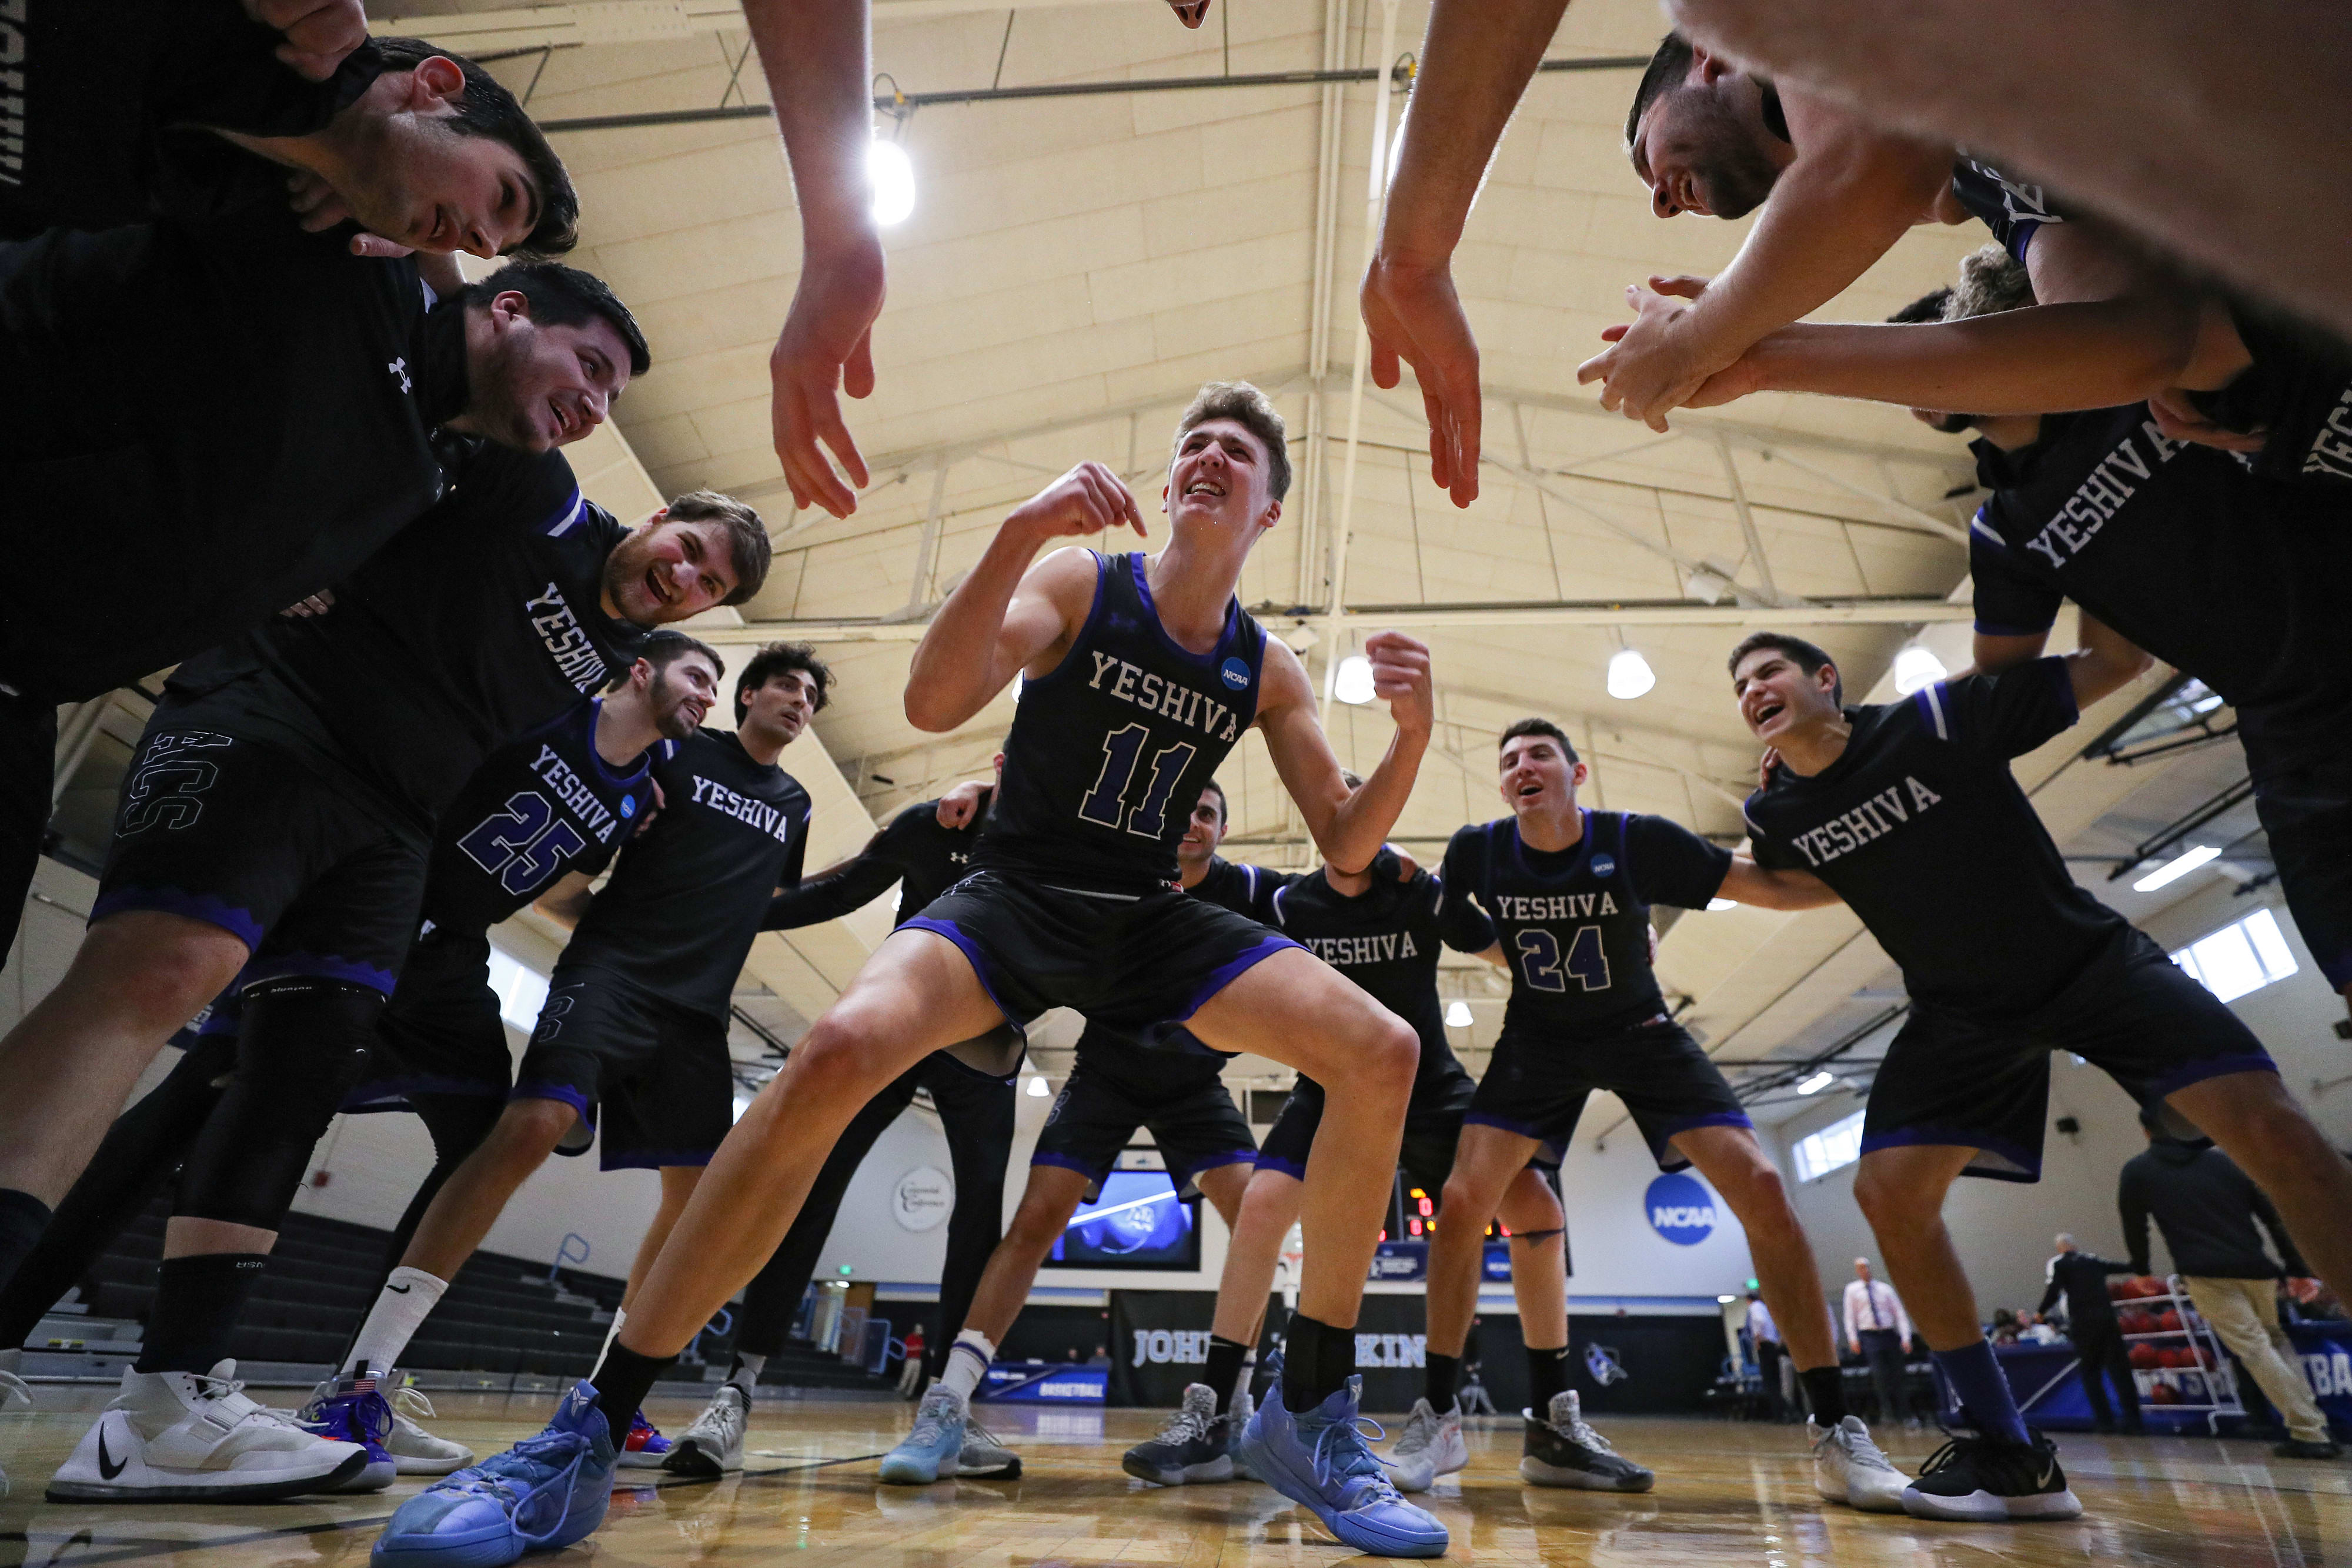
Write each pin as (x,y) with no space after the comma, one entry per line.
(1771,1355)
(910,1375)
(1878,1330)
(2206,1206)
(2081,1278)
(2004,1326)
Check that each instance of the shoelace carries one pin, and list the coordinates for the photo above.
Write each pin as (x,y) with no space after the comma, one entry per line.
(1863,1451)
(722,1416)
(1418,1434)
(1187,1425)
(1345,1441)
(225,1389)
(508,1477)
(931,1421)
(412,1403)
(1586,1437)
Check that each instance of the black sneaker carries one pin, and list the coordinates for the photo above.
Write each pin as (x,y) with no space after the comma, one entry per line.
(2296,1448)
(1978,1479)
(1562,1451)
(1191,1447)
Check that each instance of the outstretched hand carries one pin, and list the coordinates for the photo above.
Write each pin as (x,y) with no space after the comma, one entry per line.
(319,33)
(1087,499)
(1654,364)
(826,348)
(1412,314)
(1400,679)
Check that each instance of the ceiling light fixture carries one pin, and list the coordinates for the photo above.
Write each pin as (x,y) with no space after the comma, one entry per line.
(1458,1014)
(1722,904)
(2175,869)
(1916,667)
(1037,1090)
(893,177)
(1630,674)
(1353,683)
(1817,1082)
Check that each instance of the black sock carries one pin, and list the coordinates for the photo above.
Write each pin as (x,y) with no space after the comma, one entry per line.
(1825,1392)
(23,1217)
(1225,1358)
(1437,1382)
(1317,1362)
(197,1304)
(1547,1375)
(623,1383)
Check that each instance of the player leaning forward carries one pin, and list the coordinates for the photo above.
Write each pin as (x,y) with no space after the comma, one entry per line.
(1141,672)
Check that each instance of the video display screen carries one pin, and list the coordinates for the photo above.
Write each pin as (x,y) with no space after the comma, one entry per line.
(1136,1222)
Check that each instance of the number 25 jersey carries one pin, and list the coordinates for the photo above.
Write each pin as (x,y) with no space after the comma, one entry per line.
(1109,753)
(1575,922)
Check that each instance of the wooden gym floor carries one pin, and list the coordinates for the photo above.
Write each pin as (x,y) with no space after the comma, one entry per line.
(1725,1493)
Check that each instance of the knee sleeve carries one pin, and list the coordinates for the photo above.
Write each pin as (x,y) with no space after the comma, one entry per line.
(301,1046)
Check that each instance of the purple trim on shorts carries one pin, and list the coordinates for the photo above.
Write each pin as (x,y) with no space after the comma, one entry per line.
(387,1093)
(1266,1161)
(1232,969)
(977,957)
(655,1159)
(1072,1163)
(2028,1162)
(1191,1175)
(1488,1119)
(318,967)
(1664,1154)
(238,923)
(2212,1067)
(539,1089)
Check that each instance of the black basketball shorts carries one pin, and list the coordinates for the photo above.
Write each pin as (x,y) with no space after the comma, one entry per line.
(1537,1084)
(655,1078)
(441,1032)
(1115,1090)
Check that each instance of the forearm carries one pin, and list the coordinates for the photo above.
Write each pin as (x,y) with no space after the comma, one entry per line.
(818,62)
(1354,833)
(825,898)
(954,672)
(1748,883)
(2104,663)
(1475,63)
(2048,359)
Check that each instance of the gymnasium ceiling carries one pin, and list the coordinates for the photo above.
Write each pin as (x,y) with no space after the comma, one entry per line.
(1075,266)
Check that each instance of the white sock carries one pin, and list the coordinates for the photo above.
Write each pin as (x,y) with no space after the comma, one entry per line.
(408,1297)
(747,1371)
(1248,1376)
(620,1316)
(968,1361)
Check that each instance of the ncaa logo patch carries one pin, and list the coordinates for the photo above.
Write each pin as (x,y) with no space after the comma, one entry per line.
(1604,865)
(1236,673)
(1680,1208)
(628,805)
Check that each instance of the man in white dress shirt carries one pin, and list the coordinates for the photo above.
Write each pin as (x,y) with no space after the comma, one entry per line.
(1879,1331)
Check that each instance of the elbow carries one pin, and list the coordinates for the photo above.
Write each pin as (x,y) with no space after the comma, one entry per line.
(926,710)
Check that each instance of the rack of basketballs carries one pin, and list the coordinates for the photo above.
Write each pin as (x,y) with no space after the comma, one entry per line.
(2175,1357)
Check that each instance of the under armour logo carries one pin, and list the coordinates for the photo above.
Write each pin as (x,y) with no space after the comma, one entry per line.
(400,368)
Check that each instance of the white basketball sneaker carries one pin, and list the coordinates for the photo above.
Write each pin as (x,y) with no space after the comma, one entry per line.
(414,1451)
(1848,1467)
(187,1436)
(1430,1446)
(714,1444)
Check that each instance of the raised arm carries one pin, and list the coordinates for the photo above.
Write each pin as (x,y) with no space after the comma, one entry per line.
(1748,882)
(1007,616)
(1847,198)
(820,77)
(1348,825)
(1475,62)
(840,889)
(2104,663)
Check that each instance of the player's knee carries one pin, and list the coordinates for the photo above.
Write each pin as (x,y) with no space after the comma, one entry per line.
(531,1127)
(1033,1230)
(1764,1194)
(1885,1200)
(834,1058)
(1393,1054)
(163,976)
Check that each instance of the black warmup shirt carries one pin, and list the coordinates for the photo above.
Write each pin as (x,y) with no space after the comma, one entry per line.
(481,620)
(201,425)
(540,807)
(2206,1205)
(101,103)
(1108,753)
(2012,209)
(914,854)
(2299,390)
(2231,578)
(2082,1279)
(1920,827)
(681,909)
(1575,922)
(1387,940)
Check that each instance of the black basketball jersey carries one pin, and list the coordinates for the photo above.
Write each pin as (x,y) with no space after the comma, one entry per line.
(682,907)
(1575,924)
(1386,940)
(540,806)
(914,854)
(2012,209)
(1109,751)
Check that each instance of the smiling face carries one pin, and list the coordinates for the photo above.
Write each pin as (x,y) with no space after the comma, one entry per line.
(781,705)
(415,178)
(1777,697)
(1537,777)
(1205,829)
(667,570)
(682,695)
(1702,147)
(1220,480)
(534,388)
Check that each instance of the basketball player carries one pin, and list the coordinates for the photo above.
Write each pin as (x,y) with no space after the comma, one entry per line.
(1114,1087)
(1558,896)
(1140,674)
(565,795)
(1380,928)
(1909,813)
(923,851)
(632,1044)
(274,829)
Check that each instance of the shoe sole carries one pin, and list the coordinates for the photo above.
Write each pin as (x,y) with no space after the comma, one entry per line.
(897,1472)
(1535,1472)
(643,1461)
(1984,1508)
(1356,1535)
(1220,1469)
(689,1459)
(256,1491)
(421,1467)
(374,1477)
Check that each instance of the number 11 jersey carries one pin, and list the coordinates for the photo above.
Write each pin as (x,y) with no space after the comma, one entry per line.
(1109,753)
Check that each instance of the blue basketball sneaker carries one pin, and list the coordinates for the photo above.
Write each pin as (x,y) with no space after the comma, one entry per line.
(541,1495)
(1318,1458)
(645,1449)
(350,1410)
(934,1449)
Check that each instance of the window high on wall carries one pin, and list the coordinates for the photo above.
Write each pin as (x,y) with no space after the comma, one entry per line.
(2244,955)
(1834,1146)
